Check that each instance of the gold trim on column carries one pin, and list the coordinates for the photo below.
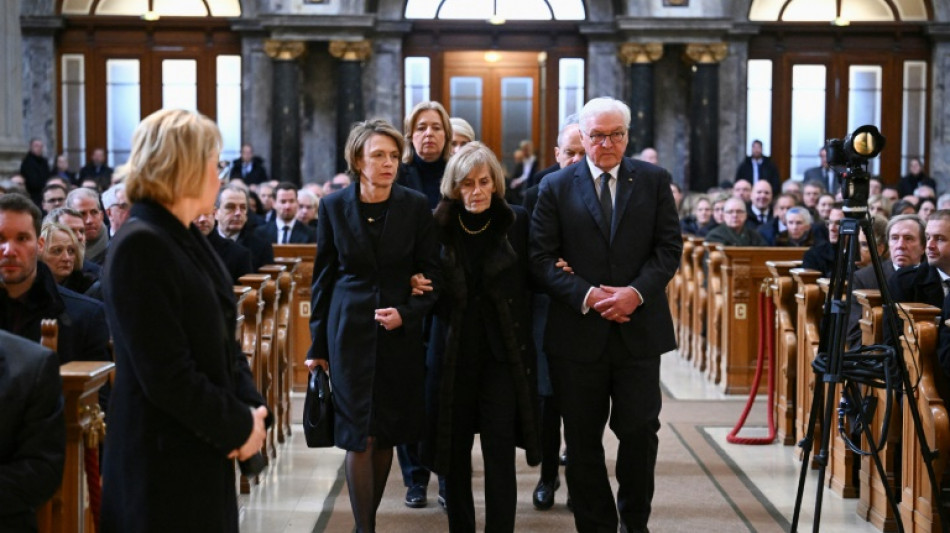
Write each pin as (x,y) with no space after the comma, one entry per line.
(705,52)
(631,53)
(284,50)
(351,50)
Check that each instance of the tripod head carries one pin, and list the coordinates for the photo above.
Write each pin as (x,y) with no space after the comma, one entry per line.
(849,158)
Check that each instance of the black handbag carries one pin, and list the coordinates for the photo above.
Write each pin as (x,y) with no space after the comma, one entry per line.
(318,411)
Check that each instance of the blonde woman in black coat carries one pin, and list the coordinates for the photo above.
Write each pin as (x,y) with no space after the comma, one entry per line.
(184,404)
(366,327)
(481,362)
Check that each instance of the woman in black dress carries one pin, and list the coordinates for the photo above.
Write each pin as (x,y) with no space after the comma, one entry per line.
(366,326)
(481,376)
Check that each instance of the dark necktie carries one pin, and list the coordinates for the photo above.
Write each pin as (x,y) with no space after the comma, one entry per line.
(946,287)
(286,236)
(606,201)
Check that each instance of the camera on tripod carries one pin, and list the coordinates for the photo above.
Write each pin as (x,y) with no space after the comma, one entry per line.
(849,157)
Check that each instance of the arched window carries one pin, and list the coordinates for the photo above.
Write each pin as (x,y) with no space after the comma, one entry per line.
(496,11)
(153,8)
(840,11)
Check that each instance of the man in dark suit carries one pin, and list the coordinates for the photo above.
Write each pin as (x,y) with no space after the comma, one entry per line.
(522,172)
(29,293)
(929,283)
(236,258)
(284,228)
(35,170)
(230,211)
(97,169)
(248,167)
(32,430)
(823,174)
(604,350)
(758,167)
(759,211)
(906,235)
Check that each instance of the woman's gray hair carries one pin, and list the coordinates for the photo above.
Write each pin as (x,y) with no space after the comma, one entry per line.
(461,127)
(472,156)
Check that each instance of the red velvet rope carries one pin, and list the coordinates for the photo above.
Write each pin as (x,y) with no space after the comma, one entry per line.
(766,348)
(93,482)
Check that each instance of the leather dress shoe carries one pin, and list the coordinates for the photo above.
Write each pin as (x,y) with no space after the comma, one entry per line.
(543,497)
(625,529)
(564,458)
(416,496)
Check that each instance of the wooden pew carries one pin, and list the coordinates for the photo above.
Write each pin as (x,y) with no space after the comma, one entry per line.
(248,336)
(743,271)
(714,311)
(269,337)
(872,505)
(782,287)
(281,357)
(917,508)
(673,290)
(303,277)
(842,474)
(685,331)
(697,304)
(809,299)
(258,336)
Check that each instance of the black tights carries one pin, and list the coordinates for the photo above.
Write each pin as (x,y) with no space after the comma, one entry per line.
(366,474)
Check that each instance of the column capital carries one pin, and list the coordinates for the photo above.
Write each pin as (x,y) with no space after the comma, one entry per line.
(631,53)
(351,50)
(284,50)
(705,53)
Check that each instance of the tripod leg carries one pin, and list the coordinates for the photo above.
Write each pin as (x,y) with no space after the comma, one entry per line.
(806,444)
(822,456)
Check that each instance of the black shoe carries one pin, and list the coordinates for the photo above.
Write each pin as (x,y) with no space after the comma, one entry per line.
(625,529)
(570,506)
(416,496)
(442,501)
(564,458)
(544,494)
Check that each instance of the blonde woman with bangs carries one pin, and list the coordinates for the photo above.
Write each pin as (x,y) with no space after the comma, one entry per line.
(184,404)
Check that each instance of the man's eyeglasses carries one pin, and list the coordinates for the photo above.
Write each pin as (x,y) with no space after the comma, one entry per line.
(600,138)
(734,211)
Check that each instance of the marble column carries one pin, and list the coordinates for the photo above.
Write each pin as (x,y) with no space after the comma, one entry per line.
(285,133)
(639,58)
(940,116)
(351,55)
(704,114)
(12,143)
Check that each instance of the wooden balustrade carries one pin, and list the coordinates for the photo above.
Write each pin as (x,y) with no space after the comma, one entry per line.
(303,277)
(917,508)
(743,271)
(782,286)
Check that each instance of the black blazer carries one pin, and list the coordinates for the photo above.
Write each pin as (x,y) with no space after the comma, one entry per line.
(32,430)
(642,249)
(378,376)
(300,233)
(183,390)
(865,278)
(767,171)
(262,252)
(236,258)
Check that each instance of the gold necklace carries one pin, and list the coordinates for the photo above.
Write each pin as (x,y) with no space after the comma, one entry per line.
(473,231)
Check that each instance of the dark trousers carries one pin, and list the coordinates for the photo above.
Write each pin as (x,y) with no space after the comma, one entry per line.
(413,473)
(484,402)
(550,438)
(627,390)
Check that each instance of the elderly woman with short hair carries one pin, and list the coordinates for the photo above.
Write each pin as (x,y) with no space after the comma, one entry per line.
(481,362)
(462,133)
(366,326)
(63,254)
(184,400)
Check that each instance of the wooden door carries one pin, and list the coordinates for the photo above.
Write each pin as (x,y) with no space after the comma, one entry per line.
(499,94)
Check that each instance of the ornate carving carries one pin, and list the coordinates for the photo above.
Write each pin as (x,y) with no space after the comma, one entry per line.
(706,52)
(284,50)
(631,53)
(351,50)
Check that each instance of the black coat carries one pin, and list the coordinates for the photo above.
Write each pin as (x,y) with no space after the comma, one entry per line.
(262,252)
(507,322)
(236,258)
(378,376)
(83,334)
(257,174)
(35,170)
(32,431)
(183,390)
(102,174)
(767,171)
